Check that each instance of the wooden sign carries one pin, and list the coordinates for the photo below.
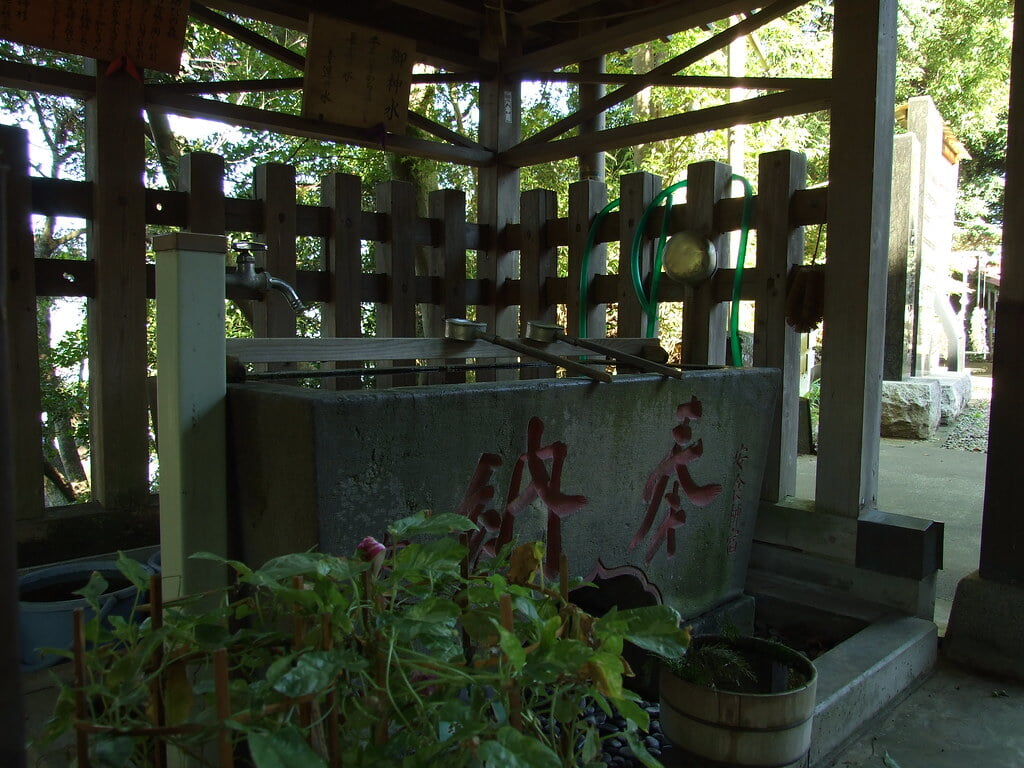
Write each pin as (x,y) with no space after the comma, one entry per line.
(151,33)
(356,75)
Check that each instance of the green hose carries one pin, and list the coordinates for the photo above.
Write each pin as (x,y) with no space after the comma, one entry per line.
(649,304)
(737,283)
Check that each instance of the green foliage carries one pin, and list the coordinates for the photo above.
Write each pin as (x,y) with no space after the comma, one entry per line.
(419,661)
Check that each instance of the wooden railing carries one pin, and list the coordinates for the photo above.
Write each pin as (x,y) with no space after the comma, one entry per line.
(117,326)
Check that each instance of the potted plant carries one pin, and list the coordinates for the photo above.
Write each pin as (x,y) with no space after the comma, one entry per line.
(739,701)
(405,653)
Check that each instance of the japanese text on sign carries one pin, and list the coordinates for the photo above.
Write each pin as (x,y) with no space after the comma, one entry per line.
(151,33)
(356,76)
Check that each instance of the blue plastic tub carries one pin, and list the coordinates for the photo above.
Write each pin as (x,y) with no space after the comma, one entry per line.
(46,602)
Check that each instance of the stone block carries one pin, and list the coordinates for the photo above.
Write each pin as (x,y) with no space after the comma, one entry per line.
(911,409)
(955,393)
(986,625)
(646,475)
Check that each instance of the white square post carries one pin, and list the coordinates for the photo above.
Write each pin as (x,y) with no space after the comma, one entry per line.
(191,408)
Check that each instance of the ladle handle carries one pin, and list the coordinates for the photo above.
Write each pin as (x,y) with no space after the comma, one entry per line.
(637,362)
(540,354)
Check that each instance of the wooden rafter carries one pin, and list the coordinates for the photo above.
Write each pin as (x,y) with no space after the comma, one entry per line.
(673,65)
(548,9)
(28,77)
(667,18)
(441,131)
(294,125)
(207,87)
(810,98)
(722,82)
(246,35)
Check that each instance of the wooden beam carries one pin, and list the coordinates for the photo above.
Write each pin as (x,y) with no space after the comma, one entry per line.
(116,235)
(396,259)
(275,187)
(210,87)
(719,82)
(811,98)
(547,10)
(667,18)
(780,247)
(715,43)
(293,125)
(444,9)
(636,191)
(21,343)
(442,132)
(860,173)
(1002,525)
(28,77)
(247,36)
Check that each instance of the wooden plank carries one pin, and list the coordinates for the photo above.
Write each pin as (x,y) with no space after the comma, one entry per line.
(341,314)
(201,178)
(1002,531)
(294,125)
(858,235)
(448,207)
(704,319)
(637,190)
(538,261)
(710,82)
(498,194)
(811,98)
(22,364)
(295,350)
(275,187)
(780,247)
(586,199)
(396,259)
(713,44)
(116,235)
(640,27)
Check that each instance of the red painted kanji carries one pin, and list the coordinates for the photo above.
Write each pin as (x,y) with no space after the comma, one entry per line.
(544,484)
(674,467)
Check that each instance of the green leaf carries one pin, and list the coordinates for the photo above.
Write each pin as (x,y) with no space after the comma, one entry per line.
(555,659)
(287,566)
(95,587)
(513,749)
(591,749)
(237,565)
(633,713)
(133,570)
(640,751)
(654,628)
(511,647)
(439,555)
(434,525)
(283,749)
(311,672)
(112,751)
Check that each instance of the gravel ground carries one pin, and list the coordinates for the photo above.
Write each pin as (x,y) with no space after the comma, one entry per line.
(970,431)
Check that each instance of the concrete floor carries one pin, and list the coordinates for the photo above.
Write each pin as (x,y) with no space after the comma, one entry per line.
(954,718)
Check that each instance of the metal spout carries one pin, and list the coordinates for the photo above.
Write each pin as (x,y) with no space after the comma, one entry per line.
(246,276)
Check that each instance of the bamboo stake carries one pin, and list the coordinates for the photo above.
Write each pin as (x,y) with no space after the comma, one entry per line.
(78,644)
(515,703)
(333,745)
(223,693)
(298,638)
(563,576)
(156,688)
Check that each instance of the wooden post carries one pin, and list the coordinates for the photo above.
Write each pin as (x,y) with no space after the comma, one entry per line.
(275,186)
(858,231)
(586,199)
(780,247)
(592,165)
(636,191)
(190,358)
(12,724)
(1002,525)
(396,259)
(704,319)
(449,259)
(22,324)
(498,195)
(115,165)
(341,316)
(201,177)
(538,263)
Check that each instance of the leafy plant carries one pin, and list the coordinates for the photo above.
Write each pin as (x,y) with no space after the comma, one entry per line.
(397,656)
